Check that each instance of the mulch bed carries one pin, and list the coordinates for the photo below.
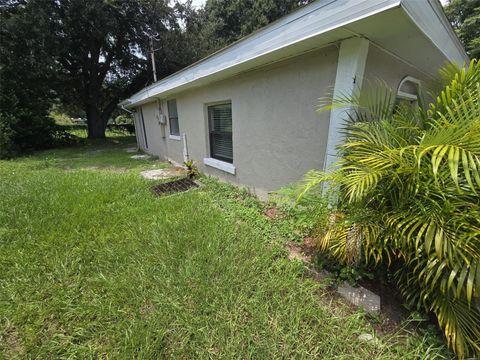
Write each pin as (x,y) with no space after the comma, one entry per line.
(174,187)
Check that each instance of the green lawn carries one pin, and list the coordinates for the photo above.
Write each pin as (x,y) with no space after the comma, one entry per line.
(93,266)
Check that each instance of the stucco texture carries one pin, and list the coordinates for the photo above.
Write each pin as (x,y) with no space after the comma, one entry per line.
(382,66)
(277,133)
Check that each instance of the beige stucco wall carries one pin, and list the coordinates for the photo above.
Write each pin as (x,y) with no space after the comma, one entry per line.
(381,65)
(277,133)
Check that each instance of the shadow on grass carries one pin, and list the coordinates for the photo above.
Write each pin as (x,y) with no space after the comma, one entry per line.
(105,154)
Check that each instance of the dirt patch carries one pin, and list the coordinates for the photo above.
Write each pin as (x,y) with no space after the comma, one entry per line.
(271,213)
(160,174)
(392,312)
(295,251)
(174,187)
(12,342)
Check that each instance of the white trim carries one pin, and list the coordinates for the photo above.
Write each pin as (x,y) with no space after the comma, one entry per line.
(352,58)
(285,36)
(308,22)
(221,165)
(404,95)
(429,17)
(175,137)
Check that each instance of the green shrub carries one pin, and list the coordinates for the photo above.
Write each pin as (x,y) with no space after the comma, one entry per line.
(23,133)
(124,119)
(408,185)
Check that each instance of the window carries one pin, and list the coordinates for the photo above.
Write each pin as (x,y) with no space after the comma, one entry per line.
(407,90)
(173,117)
(220,132)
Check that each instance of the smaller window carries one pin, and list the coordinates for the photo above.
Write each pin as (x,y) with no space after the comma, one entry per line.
(173,117)
(407,93)
(408,89)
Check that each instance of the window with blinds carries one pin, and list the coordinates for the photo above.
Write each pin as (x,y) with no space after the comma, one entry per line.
(220,132)
(173,117)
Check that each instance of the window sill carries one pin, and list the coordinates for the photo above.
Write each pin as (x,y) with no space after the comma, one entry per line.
(175,137)
(221,165)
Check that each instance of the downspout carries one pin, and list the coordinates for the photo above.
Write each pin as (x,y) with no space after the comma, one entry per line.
(125,109)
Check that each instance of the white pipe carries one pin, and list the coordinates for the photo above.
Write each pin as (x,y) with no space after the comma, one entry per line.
(185,148)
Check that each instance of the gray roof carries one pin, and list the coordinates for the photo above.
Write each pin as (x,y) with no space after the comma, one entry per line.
(399,26)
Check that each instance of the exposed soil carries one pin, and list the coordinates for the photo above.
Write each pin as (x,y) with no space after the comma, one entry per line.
(174,187)
(271,213)
(392,311)
(157,174)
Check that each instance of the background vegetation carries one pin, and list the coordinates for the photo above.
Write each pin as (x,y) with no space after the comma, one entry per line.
(86,56)
(465,18)
(83,57)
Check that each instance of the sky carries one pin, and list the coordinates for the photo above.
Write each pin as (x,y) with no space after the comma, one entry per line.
(198,3)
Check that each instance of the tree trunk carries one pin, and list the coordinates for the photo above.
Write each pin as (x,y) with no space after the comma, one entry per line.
(96,124)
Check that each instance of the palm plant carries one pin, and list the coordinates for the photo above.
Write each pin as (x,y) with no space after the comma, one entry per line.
(407,186)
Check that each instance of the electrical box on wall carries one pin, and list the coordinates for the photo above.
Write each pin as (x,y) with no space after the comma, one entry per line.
(162,119)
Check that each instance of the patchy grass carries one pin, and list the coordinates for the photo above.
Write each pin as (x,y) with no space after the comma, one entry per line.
(92,265)
(107,155)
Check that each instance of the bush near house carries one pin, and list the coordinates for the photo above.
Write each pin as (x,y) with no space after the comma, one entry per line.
(408,185)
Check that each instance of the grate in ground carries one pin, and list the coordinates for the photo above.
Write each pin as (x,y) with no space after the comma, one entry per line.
(173,187)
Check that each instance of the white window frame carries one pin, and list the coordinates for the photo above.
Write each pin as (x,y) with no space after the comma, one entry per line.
(220,165)
(171,136)
(405,95)
(210,161)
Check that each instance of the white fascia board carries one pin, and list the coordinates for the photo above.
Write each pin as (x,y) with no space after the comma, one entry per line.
(308,22)
(429,17)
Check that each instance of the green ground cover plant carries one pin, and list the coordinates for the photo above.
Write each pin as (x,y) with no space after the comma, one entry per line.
(92,265)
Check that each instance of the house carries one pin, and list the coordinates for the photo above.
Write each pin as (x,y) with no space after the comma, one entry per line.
(247,113)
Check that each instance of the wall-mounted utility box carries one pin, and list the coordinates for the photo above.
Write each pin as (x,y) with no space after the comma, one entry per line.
(162,119)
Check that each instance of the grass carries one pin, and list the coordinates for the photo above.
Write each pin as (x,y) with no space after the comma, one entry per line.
(92,265)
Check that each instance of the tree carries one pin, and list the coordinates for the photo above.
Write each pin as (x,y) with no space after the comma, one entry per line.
(90,54)
(226,21)
(465,18)
(100,51)
(26,71)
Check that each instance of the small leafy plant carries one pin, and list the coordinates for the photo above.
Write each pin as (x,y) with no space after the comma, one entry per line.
(343,272)
(192,169)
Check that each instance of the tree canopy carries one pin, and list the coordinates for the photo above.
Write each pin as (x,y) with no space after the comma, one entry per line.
(26,74)
(465,18)
(87,55)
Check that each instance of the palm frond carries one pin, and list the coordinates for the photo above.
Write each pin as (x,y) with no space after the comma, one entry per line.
(407,186)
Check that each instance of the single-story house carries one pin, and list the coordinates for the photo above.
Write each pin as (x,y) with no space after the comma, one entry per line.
(248,113)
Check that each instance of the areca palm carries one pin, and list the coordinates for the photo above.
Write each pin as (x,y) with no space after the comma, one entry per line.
(408,183)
